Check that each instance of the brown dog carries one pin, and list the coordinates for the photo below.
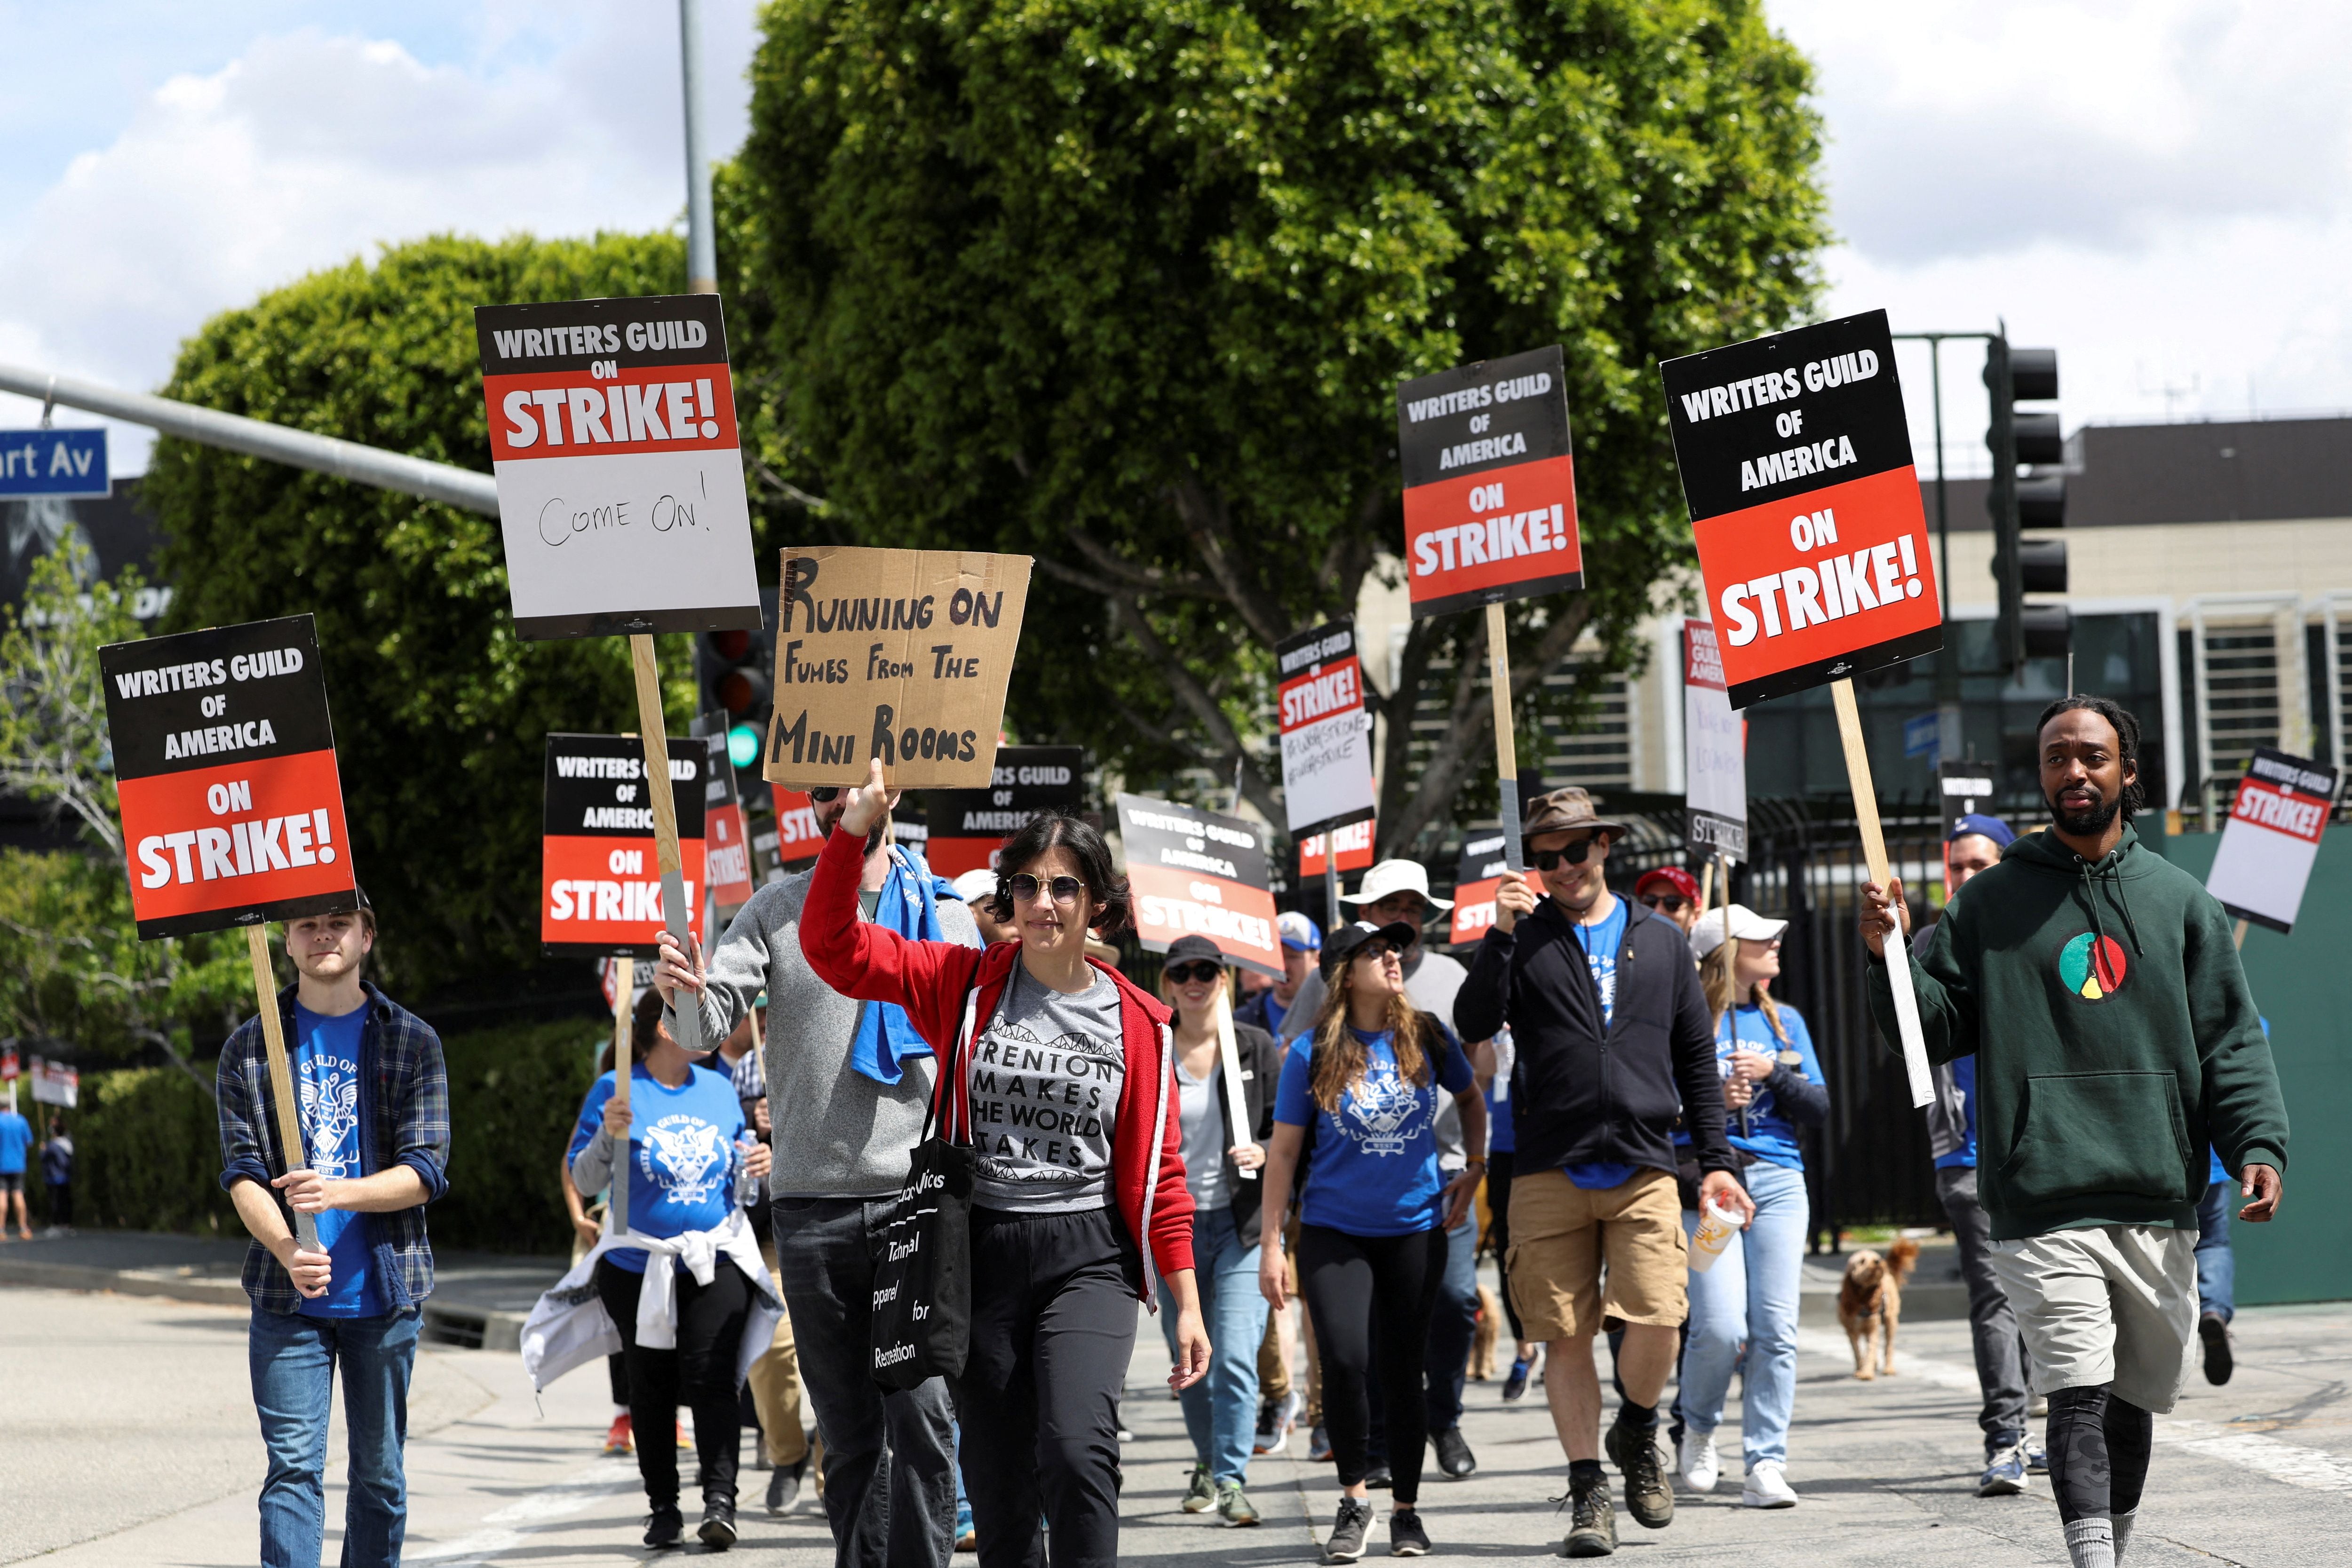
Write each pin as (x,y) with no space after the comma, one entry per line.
(1482,1341)
(1870,1301)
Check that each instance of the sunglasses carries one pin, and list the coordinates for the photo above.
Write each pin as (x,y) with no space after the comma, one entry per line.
(824,794)
(1374,949)
(1024,887)
(1186,974)
(1666,903)
(1573,854)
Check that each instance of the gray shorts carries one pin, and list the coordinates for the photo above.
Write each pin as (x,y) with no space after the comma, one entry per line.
(2111,1303)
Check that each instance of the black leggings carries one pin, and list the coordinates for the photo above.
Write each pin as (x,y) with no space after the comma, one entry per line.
(1351,1283)
(1498,1234)
(700,1375)
(2098,1452)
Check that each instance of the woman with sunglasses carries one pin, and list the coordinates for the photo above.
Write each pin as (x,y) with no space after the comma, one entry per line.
(1364,1082)
(1772,1084)
(1220,1412)
(1059,1072)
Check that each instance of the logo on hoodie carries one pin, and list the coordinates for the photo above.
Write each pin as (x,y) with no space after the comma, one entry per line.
(2093,967)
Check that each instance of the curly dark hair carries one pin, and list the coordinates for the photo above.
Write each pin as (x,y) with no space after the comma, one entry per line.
(2127,727)
(1105,888)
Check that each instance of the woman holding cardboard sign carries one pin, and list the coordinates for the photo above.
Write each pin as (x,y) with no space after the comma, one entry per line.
(1064,1069)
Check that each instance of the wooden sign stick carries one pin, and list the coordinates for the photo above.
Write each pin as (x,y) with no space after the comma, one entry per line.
(1874,850)
(1705,886)
(2238,937)
(624,985)
(654,735)
(281,1077)
(1506,748)
(1229,1054)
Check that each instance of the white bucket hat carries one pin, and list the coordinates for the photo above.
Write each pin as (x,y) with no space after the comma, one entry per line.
(1746,924)
(1394,877)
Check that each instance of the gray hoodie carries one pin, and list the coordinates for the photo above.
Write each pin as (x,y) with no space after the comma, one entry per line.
(838,1133)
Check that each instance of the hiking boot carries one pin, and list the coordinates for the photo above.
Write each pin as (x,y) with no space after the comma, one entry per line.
(1199,1494)
(1454,1455)
(1592,1519)
(1346,1542)
(1634,1452)
(1406,1537)
(1233,1504)
(2219,1362)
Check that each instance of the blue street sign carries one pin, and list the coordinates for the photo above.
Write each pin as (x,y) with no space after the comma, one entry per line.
(52,463)
(1922,737)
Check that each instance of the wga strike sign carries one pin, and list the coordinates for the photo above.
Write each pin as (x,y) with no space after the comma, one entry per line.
(2268,845)
(1796,463)
(969,826)
(1715,752)
(224,764)
(599,891)
(620,478)
(1490,487)
(1196,873)
(1326,736)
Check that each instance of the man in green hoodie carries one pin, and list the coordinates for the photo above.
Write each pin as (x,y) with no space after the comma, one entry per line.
(2115,1036)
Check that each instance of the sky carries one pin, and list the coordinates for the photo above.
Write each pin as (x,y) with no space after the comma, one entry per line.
(2159,189)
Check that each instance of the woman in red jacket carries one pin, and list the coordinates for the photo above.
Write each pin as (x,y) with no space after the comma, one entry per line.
(1062,1071)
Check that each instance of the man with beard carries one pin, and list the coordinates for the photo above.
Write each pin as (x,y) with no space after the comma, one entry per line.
(850,1082)
(2127,1039)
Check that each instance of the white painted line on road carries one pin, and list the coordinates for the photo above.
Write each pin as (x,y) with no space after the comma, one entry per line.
(2291,1463)
(506,1528)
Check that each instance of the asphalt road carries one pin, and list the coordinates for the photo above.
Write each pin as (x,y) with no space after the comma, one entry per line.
(127,1438)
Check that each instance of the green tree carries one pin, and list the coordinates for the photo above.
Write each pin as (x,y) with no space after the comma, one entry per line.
(1128,285)
(440,710)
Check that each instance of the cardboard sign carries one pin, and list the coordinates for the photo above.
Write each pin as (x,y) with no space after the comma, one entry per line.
(1715,752)
(897,654)
(1355,842)
(1326,735)
(969,826)
(1796,464)
(2267,848)
(1477,881)
(1489,485)
(1196,873)
(620,478)
(224,764)
(599,891)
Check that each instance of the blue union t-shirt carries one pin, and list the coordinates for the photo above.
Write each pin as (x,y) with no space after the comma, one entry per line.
(1373,1170)
(682,1154)
(1601,939)
(16,1138)
(328,1086)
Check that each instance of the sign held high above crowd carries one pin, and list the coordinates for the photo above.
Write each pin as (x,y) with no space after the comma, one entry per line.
(2272,838)
(599,890)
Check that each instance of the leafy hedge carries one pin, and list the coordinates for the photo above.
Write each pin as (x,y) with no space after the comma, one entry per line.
(147,1146)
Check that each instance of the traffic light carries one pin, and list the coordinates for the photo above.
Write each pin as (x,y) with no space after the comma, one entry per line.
(734,669)
(2035,500)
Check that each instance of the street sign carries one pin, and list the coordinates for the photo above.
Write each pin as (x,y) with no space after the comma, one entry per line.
(52,463)
(1715,752)
(599,887)
(2272,837)
(1490,484)
(1923,736)
(1196,873)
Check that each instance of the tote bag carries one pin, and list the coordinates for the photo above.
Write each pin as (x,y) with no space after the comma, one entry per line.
(921,1325)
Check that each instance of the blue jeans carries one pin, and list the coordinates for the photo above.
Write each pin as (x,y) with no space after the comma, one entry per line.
(1453,1324)
(1221,1410)
(2217,1266)
(294,1359)
(1750,1299)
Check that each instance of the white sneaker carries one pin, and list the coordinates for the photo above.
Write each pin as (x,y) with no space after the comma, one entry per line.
(1766,1487)
(1694,1461)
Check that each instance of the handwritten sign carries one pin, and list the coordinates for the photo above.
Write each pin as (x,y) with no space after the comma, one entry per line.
(1326,735)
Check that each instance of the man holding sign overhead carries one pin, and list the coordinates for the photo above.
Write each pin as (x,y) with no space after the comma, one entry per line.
(2127,1039)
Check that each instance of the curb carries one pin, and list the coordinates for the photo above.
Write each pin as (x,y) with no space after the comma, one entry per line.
(468,1328)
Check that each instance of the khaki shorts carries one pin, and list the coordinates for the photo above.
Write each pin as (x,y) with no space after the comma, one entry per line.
(2111,1303)
(1563,1235)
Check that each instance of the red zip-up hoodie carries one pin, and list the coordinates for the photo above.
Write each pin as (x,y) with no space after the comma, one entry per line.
(950,991)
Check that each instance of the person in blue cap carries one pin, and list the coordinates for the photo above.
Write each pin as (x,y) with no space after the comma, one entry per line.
(1302,945)
(1971,845)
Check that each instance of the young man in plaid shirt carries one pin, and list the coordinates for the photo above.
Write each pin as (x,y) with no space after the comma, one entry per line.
(374,1105)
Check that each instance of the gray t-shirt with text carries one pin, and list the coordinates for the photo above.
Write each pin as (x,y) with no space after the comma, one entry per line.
(1046,1079)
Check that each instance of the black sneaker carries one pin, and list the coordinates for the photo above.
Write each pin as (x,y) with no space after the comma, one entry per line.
(2219,1363)
(1406,1537)
(1593,1521)
(784,1485)
(1346,1542)
(1634,1452)
(1378,1477)
(1454,1455)
(718,1531)
(663,1526)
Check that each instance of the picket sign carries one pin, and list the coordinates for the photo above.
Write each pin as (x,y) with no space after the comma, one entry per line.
(2270,840)
(624,985)
(281,1077)
(1490,512)
(1795,458)
(1228,1056)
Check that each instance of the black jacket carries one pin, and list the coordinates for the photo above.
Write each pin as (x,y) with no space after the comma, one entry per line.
(1261,1063)
(1579,1098)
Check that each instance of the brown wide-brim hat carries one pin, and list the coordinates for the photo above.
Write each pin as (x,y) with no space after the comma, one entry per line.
(1565,810)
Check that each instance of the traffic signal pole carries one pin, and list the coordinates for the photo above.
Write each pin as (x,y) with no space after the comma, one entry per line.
(1949,737)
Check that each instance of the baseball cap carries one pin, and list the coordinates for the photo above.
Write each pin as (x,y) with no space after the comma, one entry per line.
(1992,827)
(1668,877)
(1746,924)
(975,884)
(1347,939)
(1191,950)
(1300,934)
